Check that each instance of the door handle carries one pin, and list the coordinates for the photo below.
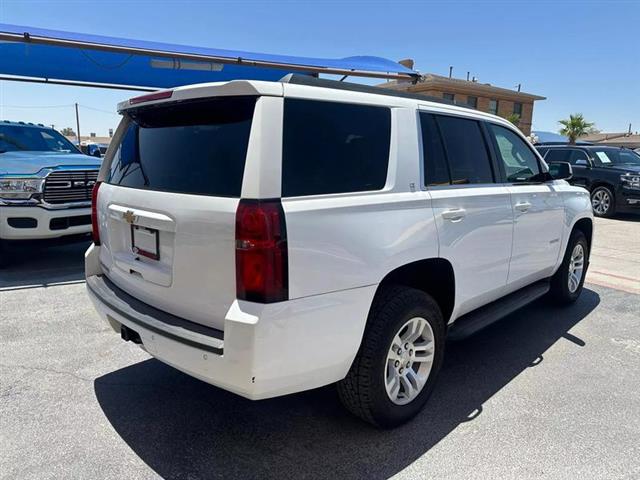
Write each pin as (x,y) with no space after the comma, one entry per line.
(522,206)
(455,215)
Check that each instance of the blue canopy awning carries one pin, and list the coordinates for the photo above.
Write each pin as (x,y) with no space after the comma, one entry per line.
(35,54)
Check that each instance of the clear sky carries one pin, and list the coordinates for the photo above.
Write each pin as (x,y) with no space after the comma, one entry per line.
(583,56)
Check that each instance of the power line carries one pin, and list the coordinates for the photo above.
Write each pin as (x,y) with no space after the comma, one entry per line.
(99,110)
(71,105)
(37,106)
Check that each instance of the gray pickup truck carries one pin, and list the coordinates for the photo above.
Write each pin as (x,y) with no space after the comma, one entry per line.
(45,185)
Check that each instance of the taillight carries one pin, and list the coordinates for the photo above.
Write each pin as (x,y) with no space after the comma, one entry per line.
(261,251)
(94,213)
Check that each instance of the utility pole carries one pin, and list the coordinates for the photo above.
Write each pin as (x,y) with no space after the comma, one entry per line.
(78,125)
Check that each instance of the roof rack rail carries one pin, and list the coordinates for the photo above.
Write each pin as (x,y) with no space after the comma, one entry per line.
(298,79)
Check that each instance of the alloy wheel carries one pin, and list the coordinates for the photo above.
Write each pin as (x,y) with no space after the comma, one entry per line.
(576,268)
(409,361)
(601,201)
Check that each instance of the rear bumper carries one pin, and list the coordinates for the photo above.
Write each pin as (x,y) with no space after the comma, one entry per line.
(264,350)
(36,223)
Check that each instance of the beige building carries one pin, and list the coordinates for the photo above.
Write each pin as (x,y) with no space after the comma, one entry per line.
(625,139)
(483,96)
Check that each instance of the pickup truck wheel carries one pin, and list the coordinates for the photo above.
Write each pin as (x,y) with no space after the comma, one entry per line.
(567,283)
(603,202)
(395,369)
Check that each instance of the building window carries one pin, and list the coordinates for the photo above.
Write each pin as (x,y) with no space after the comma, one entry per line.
(517,109)
(493,106)
(449,96)
(472,101)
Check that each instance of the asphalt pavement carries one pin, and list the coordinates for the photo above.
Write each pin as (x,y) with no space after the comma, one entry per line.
(546,393)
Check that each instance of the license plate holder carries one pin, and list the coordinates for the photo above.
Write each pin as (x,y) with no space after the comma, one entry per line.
(145,242)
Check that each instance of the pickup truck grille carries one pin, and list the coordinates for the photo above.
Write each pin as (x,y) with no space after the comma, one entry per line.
(69,186)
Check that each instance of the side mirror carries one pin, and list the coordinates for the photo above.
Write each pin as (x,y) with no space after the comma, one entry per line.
(560,171)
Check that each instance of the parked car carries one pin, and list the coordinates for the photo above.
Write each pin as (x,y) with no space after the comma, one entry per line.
(94,149)
(611,174)
(273,237)
(45,185)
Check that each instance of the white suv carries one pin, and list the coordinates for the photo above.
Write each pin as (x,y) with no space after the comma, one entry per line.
(273,237)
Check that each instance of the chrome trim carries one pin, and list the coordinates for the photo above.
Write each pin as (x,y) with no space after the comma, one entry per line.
(44,172)
(29,202)
(37,201)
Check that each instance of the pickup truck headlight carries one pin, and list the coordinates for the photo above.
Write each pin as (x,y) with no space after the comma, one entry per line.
(20,188)
(631,181)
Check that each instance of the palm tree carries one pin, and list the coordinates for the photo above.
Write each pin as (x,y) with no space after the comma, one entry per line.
(514,118)
(576,126)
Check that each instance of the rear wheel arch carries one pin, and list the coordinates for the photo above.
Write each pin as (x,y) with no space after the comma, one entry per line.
(434,276)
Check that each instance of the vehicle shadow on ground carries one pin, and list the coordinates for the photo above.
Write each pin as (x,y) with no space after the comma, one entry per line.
(627,217)
(37,265)
(184,428)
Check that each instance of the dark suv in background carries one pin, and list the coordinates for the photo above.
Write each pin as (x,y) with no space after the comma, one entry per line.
(611,174)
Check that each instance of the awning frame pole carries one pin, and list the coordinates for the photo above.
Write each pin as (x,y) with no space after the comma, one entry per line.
(39,40)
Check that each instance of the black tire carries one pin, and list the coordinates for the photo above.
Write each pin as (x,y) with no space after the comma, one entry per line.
(560,291)
(4,256)
(610,210)
(363,391)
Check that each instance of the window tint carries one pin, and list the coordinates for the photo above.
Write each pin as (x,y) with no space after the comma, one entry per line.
(558,155)
(578,157)
(520,163)
(493,106)
(436,171)
(465,150)
(331,147)
(195,147)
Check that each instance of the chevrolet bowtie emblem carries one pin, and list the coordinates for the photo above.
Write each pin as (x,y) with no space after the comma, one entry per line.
(129,216)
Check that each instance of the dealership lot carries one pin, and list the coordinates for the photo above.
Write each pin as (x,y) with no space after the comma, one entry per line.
(546,393)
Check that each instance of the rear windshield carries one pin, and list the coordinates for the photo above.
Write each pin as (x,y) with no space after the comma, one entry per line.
(197,147)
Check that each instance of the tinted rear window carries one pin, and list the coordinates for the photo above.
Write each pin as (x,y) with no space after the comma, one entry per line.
(436,171)
(466,150)
(331,147)
(193,147)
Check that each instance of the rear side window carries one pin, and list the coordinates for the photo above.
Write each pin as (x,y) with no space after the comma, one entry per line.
(193,147)
(436,171)
(331,147)
(466,150)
